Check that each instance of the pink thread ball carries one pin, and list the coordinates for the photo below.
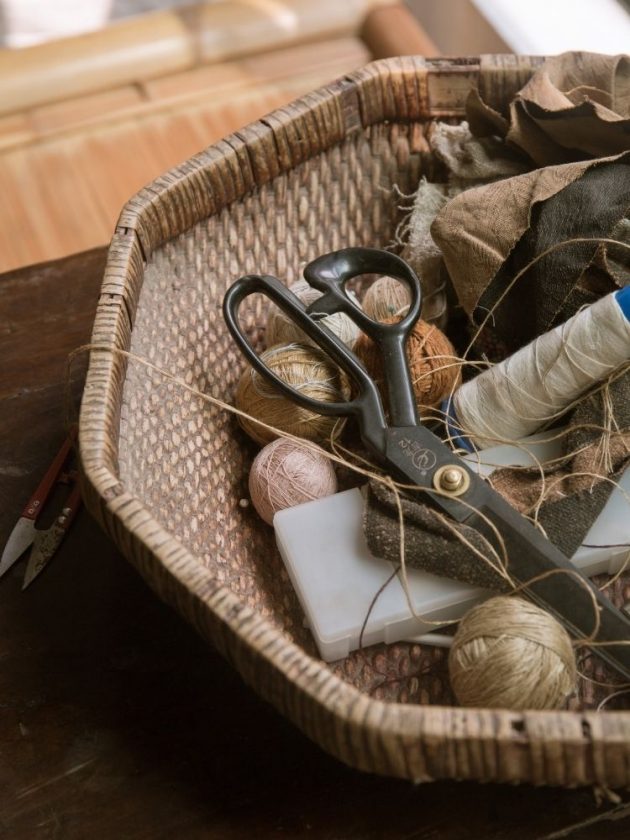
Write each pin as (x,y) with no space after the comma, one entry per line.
(286,473)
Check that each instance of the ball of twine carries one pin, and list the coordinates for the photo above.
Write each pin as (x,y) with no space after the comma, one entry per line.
(386,298)
(307,370)
(282,330)
(508,653)
(286,473)
(435,371)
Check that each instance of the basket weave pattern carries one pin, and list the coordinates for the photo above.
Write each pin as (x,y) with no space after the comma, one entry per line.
(165,471)
(187,460)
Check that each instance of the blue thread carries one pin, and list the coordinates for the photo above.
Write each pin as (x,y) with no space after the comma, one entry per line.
(453,428)
(623,299)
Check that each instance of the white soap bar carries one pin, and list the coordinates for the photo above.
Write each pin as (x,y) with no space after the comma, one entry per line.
(336,578)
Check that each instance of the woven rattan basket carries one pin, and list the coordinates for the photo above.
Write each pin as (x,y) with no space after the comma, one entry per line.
(164,471)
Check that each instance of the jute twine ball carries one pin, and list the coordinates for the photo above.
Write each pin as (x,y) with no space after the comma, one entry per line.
(508,653)
(435,371)
(385,299)
(286,473)
(309,371)
(282,330)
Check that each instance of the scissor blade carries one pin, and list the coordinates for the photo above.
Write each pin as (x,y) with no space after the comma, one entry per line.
(562,589)
(21,537)
(416,454)
(46,544)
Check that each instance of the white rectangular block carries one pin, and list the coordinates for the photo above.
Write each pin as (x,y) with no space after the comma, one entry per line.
(337,579)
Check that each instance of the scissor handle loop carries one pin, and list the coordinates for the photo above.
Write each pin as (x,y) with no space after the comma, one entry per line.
(330,273)
(367,399)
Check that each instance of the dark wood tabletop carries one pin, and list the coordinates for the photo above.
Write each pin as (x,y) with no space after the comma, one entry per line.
(117,721)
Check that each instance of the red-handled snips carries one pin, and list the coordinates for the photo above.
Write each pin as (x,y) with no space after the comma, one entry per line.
(44,542)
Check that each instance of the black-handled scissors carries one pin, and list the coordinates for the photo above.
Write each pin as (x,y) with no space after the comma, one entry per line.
(412,453)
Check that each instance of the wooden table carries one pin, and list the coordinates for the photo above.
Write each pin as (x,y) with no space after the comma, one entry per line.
(117,721)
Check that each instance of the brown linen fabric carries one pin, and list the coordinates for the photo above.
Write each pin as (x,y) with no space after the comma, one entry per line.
(478,230)
(468,161)
(577,105)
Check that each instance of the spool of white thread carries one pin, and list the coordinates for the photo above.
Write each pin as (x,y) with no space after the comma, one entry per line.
(516,397)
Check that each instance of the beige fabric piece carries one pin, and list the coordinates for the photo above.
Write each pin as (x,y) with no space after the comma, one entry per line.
(477,229)
(471,158)
(421,252)
(470,162)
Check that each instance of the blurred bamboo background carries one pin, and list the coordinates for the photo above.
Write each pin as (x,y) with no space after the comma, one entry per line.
(86,121)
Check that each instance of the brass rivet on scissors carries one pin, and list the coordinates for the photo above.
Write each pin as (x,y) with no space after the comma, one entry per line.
(451,479)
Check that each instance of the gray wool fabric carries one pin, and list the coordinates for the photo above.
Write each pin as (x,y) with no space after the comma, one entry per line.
(429,544)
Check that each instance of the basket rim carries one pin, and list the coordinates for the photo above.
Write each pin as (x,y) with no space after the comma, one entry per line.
(414,741)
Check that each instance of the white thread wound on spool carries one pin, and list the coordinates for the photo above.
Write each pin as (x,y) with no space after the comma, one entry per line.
(283,330)
(514,398)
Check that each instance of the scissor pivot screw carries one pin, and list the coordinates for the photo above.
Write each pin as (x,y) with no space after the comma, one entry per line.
(451,479)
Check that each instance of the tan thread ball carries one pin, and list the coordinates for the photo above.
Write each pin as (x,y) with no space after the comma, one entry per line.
(508,653)
(286,473)
(433,364)
(309,371)
(283,330)
(385,299)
